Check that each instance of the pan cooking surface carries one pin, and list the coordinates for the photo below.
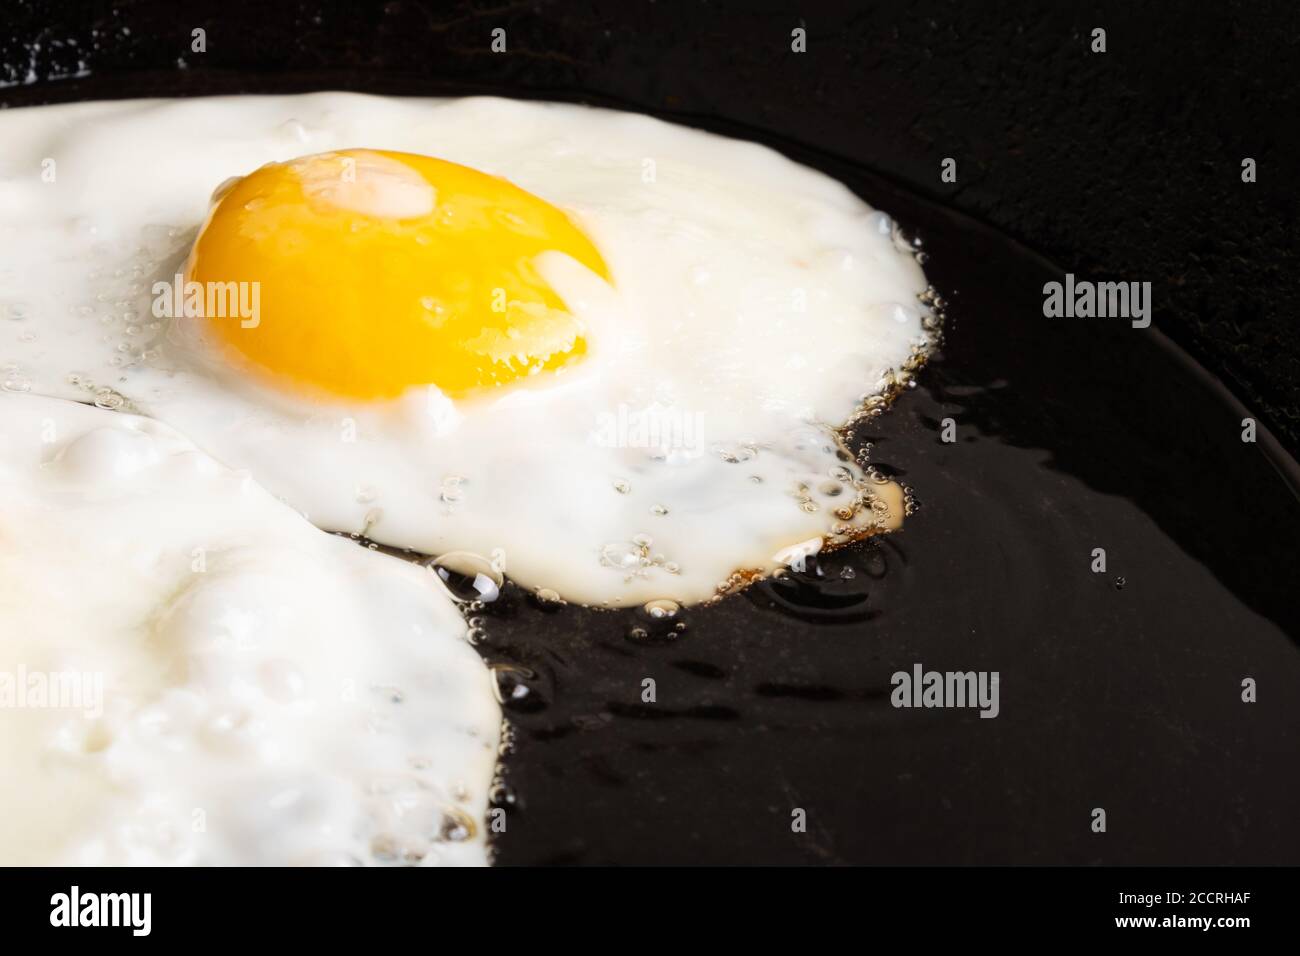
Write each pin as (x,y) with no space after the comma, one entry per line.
(1119,690)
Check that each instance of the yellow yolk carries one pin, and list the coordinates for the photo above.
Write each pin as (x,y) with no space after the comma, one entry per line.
(378,271)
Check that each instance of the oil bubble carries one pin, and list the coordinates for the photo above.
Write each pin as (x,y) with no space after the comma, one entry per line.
(468,576)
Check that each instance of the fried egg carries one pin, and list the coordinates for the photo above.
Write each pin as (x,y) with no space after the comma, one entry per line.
(606,353)
(192,674)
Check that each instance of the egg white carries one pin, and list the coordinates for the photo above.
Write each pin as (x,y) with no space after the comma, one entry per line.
(755,304)
(237,687)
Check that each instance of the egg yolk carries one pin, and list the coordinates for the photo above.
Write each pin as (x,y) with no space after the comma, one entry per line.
(377,271)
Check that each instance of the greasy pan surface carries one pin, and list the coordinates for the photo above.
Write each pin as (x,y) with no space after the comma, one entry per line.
(1119,690)
(1072,434)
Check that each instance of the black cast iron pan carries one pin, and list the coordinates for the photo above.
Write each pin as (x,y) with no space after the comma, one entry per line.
(1119,690)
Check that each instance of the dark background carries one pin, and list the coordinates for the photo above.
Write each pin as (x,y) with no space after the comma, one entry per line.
(1120,165)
